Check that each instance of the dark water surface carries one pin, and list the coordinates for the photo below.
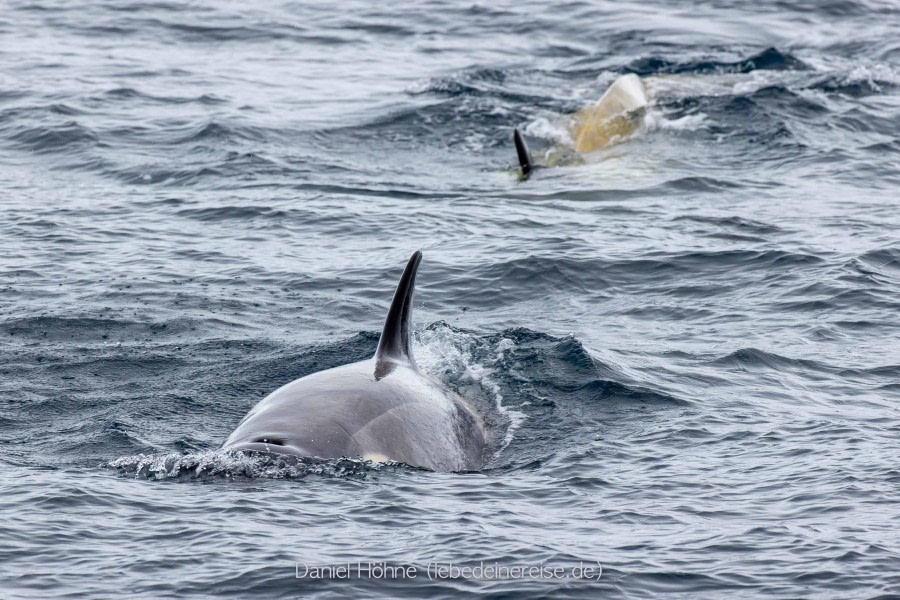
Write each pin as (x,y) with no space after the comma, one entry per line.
(686,350)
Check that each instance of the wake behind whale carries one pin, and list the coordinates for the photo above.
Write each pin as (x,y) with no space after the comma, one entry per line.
(381,409)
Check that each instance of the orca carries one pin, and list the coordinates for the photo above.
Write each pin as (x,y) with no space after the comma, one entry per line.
(617,114)
(382,409)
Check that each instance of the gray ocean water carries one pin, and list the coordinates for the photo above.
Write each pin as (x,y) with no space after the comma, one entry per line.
(686,349)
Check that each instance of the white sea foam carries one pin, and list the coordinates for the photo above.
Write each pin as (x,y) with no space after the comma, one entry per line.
(554,130)
(872,75)
(231,463)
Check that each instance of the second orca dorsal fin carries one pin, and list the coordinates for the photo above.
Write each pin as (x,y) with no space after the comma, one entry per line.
(524,155)
(394,345)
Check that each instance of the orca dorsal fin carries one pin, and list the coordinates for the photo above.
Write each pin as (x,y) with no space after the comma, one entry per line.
(524,155)
(394,345)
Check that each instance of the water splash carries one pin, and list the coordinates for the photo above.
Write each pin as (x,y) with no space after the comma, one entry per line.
(461,360)
(231,464)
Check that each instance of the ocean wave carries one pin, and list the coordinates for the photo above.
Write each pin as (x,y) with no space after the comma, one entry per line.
(770,59)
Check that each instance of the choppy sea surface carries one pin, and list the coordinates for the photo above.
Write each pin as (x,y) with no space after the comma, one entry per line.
(685,346)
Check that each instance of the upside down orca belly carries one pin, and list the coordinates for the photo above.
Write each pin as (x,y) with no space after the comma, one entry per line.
(617,114)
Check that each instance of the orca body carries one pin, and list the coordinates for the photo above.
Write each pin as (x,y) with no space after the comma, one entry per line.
(381,409)
(616,115)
